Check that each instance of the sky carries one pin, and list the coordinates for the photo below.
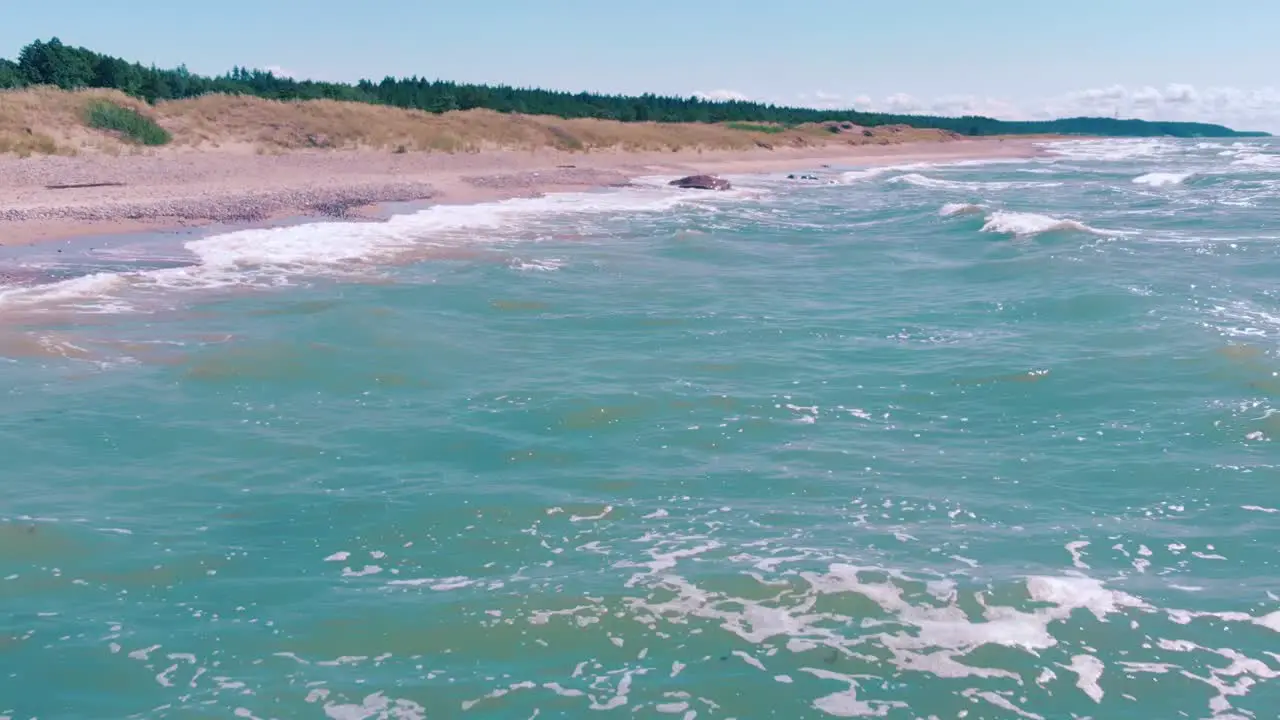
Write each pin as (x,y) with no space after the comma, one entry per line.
(1167,59)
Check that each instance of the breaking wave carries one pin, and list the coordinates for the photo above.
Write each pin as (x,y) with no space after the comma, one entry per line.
(1250,160)
(1028,224)
(942,184)
(270,257)
(874,172)
(953,209)
(1162,179)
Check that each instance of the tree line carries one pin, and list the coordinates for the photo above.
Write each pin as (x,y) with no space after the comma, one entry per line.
(67,67)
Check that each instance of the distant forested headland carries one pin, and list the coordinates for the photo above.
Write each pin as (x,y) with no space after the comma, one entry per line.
(67,67)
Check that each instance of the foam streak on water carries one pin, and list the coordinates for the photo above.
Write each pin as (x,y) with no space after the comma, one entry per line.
(987,440)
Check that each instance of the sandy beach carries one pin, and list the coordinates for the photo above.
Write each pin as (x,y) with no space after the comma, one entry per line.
(55,197)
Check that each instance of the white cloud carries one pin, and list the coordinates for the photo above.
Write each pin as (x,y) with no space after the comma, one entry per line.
(280,72)
(720,95)
(904,103)
(1256,109)
(822,100)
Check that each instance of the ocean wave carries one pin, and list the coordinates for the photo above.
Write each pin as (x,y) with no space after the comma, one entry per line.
(66,292)
(1162,179)
(857,175)
(928,182)
(269,257)
(852,176)
(1028,224)
(1234,149)
(1265,161)
(953,209)
(942,184)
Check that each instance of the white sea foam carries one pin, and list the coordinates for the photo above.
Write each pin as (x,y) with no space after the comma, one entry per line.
(373,706)
(953,209)
(1162,179)
(1257,160)
(1246,320)
(1088,670)
(935,636)
(920,635)
(537,265)
(1029,224)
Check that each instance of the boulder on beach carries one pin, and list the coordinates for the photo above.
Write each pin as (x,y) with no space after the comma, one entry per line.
(701,182)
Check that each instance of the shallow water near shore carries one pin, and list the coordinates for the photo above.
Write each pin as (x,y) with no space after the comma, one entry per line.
(984,440)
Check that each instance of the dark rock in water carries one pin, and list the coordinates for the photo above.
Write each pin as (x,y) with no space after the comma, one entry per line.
(802,177)
(701,182)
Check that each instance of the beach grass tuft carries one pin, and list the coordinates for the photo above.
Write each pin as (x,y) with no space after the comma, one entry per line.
(756,127)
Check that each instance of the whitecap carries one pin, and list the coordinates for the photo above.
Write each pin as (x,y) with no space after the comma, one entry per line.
(953,209)
(544,265)
(941,184)
(927,182)
(873,172)
(1264,161)
(1028,224)
(1162,179)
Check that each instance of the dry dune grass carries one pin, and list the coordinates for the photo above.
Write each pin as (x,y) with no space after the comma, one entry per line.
(325,123)
(50,121)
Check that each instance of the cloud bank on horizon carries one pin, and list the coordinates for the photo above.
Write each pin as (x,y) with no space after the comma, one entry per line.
(1237,108)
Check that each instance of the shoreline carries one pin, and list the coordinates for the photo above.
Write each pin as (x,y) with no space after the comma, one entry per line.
(60,198)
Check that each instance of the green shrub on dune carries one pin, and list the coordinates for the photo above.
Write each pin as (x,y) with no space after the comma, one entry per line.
(130,123)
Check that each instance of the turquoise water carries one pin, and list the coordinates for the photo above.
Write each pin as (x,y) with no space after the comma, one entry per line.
(980,440)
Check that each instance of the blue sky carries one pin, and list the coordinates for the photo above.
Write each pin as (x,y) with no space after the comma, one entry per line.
(1167,58)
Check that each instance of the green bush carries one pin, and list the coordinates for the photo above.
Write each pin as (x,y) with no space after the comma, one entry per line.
(130,123)
(755,127)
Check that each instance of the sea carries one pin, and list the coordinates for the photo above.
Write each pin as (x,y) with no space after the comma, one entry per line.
(975,440)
